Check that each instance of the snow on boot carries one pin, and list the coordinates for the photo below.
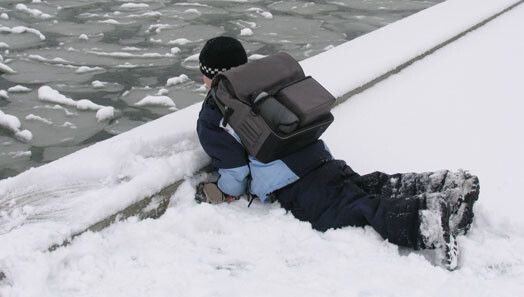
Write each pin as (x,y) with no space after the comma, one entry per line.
(461,190)
(462,216)
(435,230)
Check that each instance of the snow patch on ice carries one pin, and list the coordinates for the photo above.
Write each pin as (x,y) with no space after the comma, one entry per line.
(192,58)
(156,100)
(105,113)
(246,32)
(175,50)
(48,94)
(260,11)
(3,94)
(32,117)
(13,124)
(46,60)
(192,10)
(125,55)
(134,6)
(85,69)
(33,12)
(182,78)
(19,89)
(256,57)
(98,84)
(21,30)
(180,41)
(18,154)
(6,69)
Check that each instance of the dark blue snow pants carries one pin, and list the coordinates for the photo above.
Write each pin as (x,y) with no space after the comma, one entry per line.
(330,197)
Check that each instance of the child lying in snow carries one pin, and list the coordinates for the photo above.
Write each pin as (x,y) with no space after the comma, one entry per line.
(419,211)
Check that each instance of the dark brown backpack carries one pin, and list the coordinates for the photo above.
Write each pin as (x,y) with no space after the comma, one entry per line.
(272,106)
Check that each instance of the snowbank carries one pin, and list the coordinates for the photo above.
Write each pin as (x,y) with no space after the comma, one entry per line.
(355,63)
(418,120)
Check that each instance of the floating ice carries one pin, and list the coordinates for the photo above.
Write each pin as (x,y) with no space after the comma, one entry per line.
(53,61)
(192,58)
(4,16)
(33,12)
(84,69)
(256,57)
(18,89)
(246,32)
(130,55)
(175,50)
(32,117)
(192,10)
(3,94)
(19,154)
(4,45)
(177,80)
(12,123)
(134,5)
(22,29)
(83,37)
(156,100)
(260,11)
(48,94)
(98,84)
(180,41)
(6,69)
(105,113)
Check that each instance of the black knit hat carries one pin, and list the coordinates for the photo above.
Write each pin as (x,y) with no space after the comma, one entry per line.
(220,54)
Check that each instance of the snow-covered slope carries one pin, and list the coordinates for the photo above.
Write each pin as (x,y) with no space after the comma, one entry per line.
(438,113)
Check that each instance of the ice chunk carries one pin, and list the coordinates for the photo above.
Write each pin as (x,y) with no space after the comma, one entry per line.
(180,41)
(246,32)
(192,10)
(18,89)
(134,6)
(98,84)
(32,117)
(105,113)
(3,45)
(48,94)
(3,94)
(177,80)
(12,123)
(83,37)
(4,16)
(156,100)
(84,69)
(33,12)
(21,30)
(6,69)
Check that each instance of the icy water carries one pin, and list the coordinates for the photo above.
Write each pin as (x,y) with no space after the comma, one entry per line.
(135,61)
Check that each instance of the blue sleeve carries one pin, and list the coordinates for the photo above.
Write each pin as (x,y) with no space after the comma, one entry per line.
(233,181)
(226,153)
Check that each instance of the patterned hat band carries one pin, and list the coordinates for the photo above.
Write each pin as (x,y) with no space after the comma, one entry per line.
(211,71)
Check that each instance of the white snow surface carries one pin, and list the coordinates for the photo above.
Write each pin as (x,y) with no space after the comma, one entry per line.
(458,108)
(48,94)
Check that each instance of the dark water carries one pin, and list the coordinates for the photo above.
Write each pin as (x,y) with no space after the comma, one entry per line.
(115,53)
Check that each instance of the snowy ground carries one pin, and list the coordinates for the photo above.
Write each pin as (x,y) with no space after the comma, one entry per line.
(438,113)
